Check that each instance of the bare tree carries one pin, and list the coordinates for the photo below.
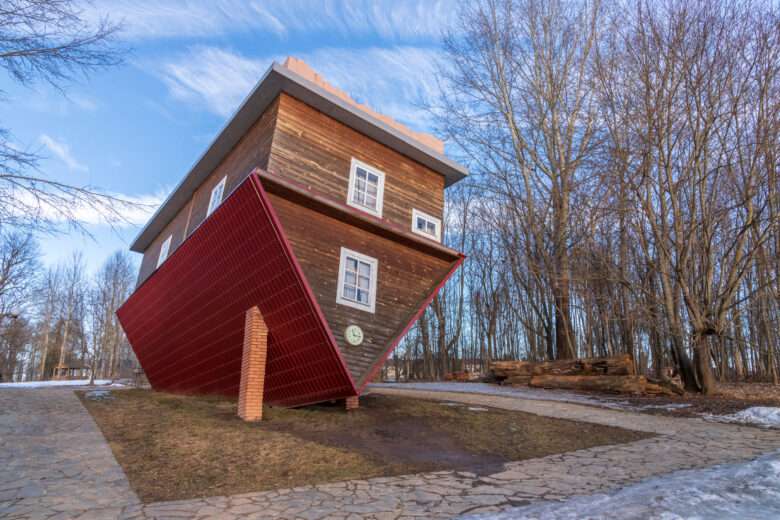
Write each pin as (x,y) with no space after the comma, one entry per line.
(519,100)
(697,117)
(625,159)
(113,284)
(50,42)
(70,299)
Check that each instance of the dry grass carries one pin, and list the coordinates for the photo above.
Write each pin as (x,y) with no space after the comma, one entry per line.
(176,447)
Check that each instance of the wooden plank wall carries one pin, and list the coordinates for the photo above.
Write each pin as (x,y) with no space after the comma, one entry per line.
(406,276)
(296,141)
(316,150)
(251,151)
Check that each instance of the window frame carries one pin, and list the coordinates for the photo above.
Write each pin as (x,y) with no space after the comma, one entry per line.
(360,257)
(164,247)
(212,205)
(416,213)
(380,189)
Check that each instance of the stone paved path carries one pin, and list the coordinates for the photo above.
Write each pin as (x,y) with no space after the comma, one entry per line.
(680,444)
(54,462)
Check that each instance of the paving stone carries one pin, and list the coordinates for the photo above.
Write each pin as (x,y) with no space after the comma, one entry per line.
(56,458)
(62,467)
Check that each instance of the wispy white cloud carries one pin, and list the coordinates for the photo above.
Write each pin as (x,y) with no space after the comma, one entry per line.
(62,151)
(217,79)
(405,79)
(389,19)
(84,102)
(214,78)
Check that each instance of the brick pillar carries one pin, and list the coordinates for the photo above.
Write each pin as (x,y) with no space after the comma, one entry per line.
(352,403)
(250,394)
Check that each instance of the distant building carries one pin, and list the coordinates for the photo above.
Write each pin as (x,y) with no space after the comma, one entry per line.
(70,371)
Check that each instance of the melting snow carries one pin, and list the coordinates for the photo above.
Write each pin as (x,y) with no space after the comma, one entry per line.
(748,490)
(524,392)
(670,406)
(44,384)
(766,416)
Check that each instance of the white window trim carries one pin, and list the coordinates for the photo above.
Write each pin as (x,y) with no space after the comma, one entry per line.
(417,213)
(380,189)
(374,263)
(212,204)
(165,250)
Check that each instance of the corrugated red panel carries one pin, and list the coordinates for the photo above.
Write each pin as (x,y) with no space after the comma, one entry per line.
(186,322)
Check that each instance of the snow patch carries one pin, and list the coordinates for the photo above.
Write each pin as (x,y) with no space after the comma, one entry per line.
(747,490)
(477,409)
(48,384)
(669,407)
(765,416)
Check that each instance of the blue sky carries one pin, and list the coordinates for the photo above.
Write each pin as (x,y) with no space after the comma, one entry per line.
(135,130)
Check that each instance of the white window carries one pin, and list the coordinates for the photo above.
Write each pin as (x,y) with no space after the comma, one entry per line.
(357,280)
(366,188)
(164,249)
(426,225)
(216,196)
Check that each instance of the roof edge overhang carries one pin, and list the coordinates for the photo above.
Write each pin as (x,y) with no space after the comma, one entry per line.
(304,195)
(278,79)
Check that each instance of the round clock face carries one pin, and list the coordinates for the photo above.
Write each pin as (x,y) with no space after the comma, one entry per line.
(354,335)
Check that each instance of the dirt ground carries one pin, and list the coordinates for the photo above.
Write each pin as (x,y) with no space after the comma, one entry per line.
(176,447)
(730,398)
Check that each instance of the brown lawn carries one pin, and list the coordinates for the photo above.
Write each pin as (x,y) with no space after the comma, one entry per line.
(176,447)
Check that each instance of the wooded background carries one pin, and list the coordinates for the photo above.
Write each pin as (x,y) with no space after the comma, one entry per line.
(60,315)
(624,197)
(624,188)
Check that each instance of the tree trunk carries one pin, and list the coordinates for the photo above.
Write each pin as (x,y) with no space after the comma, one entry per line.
(703,363)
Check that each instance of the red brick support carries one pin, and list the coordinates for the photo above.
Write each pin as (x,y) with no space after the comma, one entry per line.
(250,394)
(352,403)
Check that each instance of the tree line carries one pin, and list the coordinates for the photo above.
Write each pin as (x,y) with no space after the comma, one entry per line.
(624,193)
(60,316)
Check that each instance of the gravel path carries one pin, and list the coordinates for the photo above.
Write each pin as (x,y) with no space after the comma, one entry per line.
(59,464)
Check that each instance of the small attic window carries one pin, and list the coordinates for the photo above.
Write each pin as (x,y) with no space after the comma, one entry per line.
(165,248)
(366,188)
(216,196)
(357,280)
(426,225)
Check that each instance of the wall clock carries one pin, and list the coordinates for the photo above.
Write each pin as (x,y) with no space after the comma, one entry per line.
(354,335)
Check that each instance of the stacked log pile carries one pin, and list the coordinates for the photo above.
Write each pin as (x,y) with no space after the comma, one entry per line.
(609,374)
(461,376)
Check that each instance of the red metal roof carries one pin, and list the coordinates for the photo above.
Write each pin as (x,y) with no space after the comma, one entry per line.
(186,321)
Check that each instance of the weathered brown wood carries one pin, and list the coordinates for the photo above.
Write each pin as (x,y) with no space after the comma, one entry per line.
(406,276)
(296,141)
(312,199)
(316,150)
(518,380)
(251,151)
(614,384)
(621,365)
(667,386)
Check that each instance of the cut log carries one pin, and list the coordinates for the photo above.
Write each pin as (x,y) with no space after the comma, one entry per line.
(621,365)
(613,384)
(520,380)
(667,387)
